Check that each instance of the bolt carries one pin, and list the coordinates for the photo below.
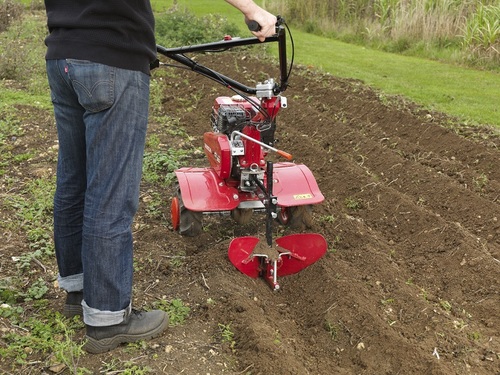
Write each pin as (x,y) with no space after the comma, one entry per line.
(235,197)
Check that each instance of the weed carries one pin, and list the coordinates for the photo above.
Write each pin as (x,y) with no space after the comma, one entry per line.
(467,31)
(353,203)
(153,141)
(13,313)
(277,338)
(481,181)
(474,336)
(8,290)
(176,309)
(159,166)
(327,219)
(459,324)
(26,67)
(154,202)
(332,247)
(227,335)
(445,305)
(36,291)
(332,329)
(424,294)
(387,301)
(53,335)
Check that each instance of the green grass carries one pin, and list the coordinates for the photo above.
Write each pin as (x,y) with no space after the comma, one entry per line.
(467,93)
(472,95)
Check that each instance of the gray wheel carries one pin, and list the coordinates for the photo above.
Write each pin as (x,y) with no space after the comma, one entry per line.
(186,222)
(242,215)
(297,217)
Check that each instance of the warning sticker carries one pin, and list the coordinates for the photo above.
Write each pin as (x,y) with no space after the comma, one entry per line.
(302,196)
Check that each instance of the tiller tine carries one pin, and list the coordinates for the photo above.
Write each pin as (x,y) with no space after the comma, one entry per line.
(303,250)
(240,254)
(291,254)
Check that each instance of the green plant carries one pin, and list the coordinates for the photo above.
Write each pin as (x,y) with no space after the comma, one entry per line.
(227,335)
(154,202)
(445,305)
(159,166)
(387,301)
(12,313)
(481,33)
(332,247)
(327,219)
(36,290)
(424,294)
(474,336)
(352,203)
(45,335)
(176,309)
(481,181)
(332,329)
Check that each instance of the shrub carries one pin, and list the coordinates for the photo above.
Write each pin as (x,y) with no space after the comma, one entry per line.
(179,28)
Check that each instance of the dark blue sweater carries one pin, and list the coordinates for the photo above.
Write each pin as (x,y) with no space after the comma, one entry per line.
(118,33)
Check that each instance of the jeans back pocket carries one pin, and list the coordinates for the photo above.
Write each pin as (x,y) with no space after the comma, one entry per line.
(93,83)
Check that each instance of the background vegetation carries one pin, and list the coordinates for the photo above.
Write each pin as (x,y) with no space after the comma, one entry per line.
(459,31)
(439,76)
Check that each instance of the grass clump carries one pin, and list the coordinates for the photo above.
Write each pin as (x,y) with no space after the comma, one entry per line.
(481,37)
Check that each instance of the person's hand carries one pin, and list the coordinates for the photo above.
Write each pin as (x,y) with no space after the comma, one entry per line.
(253,12)
(266,21)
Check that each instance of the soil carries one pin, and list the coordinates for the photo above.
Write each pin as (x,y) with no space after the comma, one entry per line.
(410,281)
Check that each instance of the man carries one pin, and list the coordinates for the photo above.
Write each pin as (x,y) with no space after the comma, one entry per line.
(98,66)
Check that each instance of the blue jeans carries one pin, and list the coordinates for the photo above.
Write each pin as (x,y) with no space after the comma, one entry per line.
(101,115)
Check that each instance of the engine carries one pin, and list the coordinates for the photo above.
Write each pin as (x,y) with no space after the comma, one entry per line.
(231,113)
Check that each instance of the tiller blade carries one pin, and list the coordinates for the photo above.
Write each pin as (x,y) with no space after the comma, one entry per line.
(289,255)
(286,256)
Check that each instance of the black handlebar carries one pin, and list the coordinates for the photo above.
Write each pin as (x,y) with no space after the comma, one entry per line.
(178,54)
(253,26)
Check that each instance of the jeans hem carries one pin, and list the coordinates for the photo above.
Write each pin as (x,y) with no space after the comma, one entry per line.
(103,318)
(73,283)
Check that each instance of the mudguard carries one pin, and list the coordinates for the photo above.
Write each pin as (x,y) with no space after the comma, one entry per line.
(295,185)
(203,190)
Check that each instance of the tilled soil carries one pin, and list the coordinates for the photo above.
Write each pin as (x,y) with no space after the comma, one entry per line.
(410,281)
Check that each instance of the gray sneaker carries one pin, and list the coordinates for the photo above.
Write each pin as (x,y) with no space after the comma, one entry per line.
(137,326)
(73,305)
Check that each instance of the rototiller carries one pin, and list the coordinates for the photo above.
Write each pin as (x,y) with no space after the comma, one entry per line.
(240,180)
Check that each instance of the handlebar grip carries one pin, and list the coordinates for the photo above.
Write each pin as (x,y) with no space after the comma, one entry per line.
(253,26)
